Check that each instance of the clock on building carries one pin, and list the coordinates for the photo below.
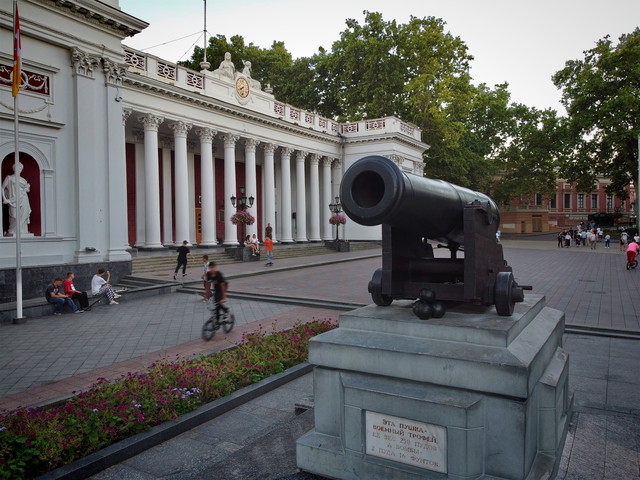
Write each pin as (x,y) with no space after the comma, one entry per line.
(242,87)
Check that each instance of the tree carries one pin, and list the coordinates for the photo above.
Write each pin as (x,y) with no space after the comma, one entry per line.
(602,96)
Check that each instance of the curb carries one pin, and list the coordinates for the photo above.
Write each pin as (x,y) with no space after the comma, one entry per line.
(125,449)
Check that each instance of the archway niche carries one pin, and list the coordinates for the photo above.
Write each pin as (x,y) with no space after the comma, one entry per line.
(31,173)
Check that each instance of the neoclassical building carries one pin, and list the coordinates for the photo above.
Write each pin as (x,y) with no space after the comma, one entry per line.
(125,150)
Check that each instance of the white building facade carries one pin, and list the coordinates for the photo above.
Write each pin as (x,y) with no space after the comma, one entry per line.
(123,149)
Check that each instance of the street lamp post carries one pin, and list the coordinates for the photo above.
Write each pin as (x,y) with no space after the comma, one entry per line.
(336,208)
(242,205)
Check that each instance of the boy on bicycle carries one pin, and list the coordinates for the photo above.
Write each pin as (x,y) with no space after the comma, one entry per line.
(219,287)
(632,252)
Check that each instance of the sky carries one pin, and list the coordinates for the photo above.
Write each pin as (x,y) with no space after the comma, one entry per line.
(516,41)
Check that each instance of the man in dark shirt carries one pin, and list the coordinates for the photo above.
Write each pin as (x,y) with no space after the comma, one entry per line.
(219,286)
(183,251)
(54,295)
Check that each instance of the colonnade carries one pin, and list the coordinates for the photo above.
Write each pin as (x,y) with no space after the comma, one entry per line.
(311,206)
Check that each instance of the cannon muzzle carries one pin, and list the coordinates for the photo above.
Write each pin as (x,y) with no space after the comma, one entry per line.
(375,191)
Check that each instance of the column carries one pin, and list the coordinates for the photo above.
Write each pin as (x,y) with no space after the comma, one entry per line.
(138,136)
(301,204)
(152,179)
(251,186)
(89,165)
(166,143)
(269,188)
(285,166)
(314,198)
(230,230)
(116,160)
(207,186)
(326,199)
(180,130)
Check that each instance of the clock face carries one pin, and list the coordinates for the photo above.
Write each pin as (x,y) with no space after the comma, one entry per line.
(242,87)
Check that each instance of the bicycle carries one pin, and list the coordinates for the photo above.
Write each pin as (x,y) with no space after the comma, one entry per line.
(226,320)
(632,265)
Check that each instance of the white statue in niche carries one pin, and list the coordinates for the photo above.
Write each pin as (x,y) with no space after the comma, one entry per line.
(247,71)
(226,68)
(16,196)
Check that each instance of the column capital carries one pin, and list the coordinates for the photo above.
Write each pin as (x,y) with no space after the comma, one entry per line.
(286,151)
(336,163)
(114,72)
(269,148)
(180,129)
(418,168)
(300,156)
(206,134)
(250,144)
(230,139)
(126,113)
(83,63)
(327,161)
(314,159)
(150,121)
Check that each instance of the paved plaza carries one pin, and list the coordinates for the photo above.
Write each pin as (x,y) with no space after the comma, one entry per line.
(47,358)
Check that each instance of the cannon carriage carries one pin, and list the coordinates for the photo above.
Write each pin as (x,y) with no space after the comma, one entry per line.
(413,209)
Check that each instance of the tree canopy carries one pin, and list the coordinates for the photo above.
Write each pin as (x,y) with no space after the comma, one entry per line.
(478,138)
(602,96)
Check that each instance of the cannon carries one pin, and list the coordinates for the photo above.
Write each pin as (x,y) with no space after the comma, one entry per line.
(413,209)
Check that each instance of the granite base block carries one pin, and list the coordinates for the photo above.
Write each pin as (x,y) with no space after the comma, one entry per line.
(468,396)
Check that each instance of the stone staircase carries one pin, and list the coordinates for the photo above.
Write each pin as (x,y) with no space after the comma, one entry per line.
(165,261)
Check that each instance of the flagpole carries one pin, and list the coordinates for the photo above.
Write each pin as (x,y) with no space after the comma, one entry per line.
(16,172)
(17,54)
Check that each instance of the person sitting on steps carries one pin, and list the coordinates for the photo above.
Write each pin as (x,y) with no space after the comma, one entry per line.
(100,286)
(54,295)
(71,292)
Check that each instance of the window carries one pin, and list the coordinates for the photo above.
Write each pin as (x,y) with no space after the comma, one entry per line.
(553,203)
(567,200)
(581,200)
(538,199)
(609,202)
(594,201)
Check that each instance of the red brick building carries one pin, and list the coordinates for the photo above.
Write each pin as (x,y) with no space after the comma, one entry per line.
(566,208)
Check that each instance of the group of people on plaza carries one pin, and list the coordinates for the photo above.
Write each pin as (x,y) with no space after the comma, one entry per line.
(61,293)
(591,235)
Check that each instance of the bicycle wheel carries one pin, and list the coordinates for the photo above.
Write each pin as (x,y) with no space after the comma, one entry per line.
(635,264)
(228,321)
(208,329)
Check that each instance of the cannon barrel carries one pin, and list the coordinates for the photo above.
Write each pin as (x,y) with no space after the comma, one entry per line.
(374,191)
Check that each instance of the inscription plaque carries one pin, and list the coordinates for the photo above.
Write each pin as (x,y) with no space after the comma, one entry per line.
(406,441)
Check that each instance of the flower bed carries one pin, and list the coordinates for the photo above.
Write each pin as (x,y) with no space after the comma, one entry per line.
(35,441)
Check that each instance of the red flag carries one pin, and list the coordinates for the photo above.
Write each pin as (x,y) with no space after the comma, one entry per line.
(17,50)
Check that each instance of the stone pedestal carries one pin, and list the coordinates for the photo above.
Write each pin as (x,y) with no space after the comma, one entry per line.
(337,246)
(244,254)
(468,396)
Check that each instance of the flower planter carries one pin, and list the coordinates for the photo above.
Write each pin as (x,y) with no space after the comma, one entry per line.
(337,246)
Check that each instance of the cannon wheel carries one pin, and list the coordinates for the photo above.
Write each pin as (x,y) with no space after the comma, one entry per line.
(375,289)
(503,295)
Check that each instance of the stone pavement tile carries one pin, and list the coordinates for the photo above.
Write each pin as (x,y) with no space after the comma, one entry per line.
(183,459)
(624,370)
(589,392)
(235,427)
(123,472)
(272,457)
(625,348)
(622,448)
(623,397)
(586,457)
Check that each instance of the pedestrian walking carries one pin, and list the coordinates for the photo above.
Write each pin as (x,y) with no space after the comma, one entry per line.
(183,251)
(607,241)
